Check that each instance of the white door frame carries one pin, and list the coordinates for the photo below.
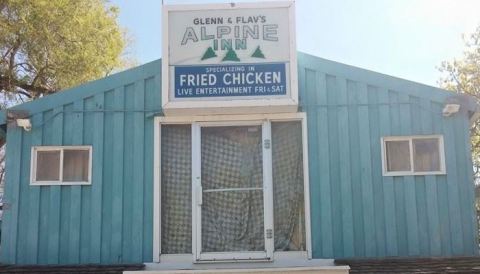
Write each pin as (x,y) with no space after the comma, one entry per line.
(225,120)
(197,195)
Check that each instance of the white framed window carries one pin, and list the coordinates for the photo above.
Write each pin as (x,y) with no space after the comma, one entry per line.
(413,155)
(204,152)
(61,165)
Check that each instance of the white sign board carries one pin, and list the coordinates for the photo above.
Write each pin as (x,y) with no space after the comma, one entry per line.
(229,58)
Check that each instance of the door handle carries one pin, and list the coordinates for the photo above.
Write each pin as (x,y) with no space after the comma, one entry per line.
(199,195)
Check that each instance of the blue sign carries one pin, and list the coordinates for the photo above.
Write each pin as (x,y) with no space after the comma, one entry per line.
(230,80)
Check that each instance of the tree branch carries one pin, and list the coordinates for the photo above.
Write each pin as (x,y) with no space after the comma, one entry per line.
(29,89)
(26,94)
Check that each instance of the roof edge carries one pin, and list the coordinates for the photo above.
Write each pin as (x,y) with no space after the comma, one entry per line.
(87,89)
(371,77)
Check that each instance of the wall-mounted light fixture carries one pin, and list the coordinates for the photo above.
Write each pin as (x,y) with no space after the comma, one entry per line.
(450,109)
(25,124)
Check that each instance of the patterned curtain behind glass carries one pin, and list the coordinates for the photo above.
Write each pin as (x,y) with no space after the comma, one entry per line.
(176,188)
(232,220)
(230,160)
(289,216)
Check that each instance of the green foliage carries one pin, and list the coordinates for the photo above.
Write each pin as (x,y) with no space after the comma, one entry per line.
(209,53)
(48,45)
(463,76)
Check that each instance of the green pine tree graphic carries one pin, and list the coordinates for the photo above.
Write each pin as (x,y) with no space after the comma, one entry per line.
(258,53)
(231,56)
(209,53)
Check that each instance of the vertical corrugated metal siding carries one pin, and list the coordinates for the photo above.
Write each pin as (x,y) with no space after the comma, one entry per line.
(107,222)
(356,212)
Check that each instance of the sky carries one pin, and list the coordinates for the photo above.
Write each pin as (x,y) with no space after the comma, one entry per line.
(403,38)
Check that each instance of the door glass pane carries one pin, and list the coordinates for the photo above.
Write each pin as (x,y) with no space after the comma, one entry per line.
(288,198)
(232,181)
(75,165)
(176,186)
(48,165)
(398,155)
(426,154)
(232,221)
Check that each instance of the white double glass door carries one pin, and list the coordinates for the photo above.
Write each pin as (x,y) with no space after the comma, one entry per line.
(232,191)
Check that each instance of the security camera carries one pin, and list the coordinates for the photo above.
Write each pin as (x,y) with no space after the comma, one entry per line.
(25,124)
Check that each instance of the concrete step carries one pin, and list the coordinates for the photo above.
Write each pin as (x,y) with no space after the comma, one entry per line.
(279,270)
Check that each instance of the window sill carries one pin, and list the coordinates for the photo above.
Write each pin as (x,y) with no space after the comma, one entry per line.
(396,174)
(57,183)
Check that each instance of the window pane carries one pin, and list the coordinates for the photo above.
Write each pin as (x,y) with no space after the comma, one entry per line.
(48,165)
(176,185)
(426,155)
(398,155)
(231,156)
(288,200)
(232,220)
(75,165)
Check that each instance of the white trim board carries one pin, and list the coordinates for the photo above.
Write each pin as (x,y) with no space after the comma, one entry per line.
(157,233)
(237,117)
(223,120)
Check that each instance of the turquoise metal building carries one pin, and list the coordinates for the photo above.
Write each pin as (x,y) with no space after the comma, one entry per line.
(356,209)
